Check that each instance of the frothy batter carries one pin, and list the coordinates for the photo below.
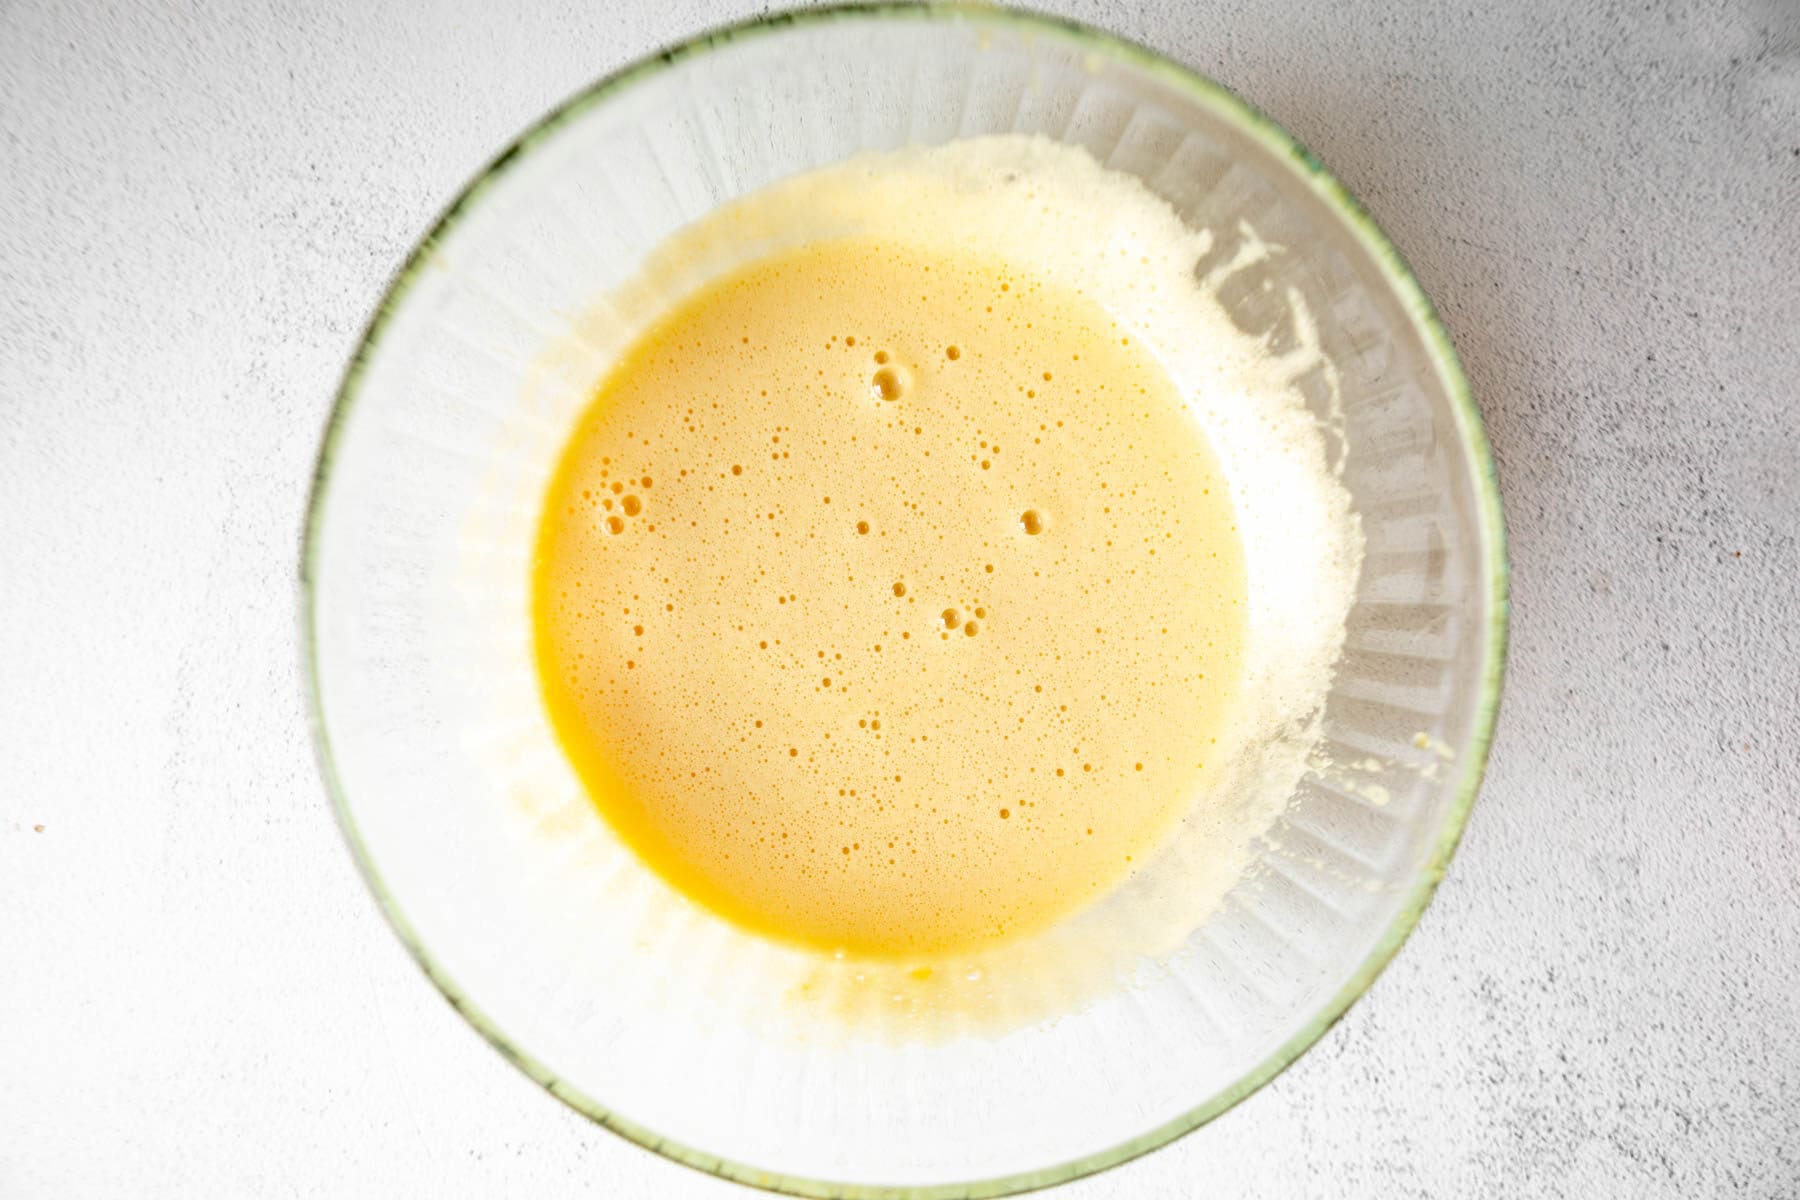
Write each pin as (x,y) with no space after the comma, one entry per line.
(890,601)
(907,584)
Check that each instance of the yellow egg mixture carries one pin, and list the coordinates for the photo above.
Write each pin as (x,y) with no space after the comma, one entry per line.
(889,599)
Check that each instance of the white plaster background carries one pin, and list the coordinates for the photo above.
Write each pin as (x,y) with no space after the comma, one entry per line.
(199,202)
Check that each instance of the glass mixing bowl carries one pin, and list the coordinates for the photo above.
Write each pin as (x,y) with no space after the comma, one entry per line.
(718,1049)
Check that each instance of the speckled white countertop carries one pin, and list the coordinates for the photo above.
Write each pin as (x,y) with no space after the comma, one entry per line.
(200,203)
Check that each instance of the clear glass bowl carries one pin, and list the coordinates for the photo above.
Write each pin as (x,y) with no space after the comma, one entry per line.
(661,1022)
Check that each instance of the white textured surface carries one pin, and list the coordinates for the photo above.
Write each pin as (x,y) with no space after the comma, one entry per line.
(197,210)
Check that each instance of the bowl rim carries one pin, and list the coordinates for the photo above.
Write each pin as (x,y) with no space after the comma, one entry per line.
(1250,120)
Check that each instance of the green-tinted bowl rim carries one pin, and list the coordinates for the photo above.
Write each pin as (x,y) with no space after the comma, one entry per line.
(1246,117)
